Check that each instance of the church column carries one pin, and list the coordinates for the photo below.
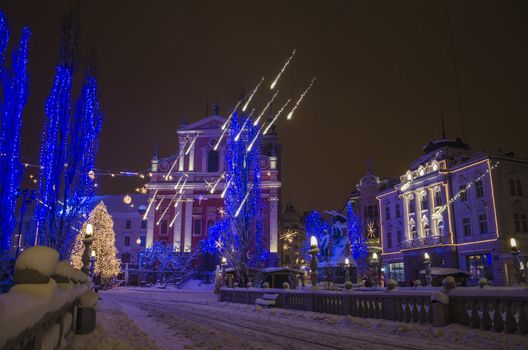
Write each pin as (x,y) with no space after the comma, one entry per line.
(273,237)
(177,227)
(432,221)
(150,224)
(191,157)
(187,242)
(182,155)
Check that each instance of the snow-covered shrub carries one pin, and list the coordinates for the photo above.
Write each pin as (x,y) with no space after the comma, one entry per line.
(265,285)
(392,284)
(35,265)
(483,282)
(285,285)
(448,283)
(348,285)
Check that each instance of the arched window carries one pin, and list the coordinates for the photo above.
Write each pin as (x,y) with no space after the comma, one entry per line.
(212,161)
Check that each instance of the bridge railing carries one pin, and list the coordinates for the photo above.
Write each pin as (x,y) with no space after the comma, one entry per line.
(491,309)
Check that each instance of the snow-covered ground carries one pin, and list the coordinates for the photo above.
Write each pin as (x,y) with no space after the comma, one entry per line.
(192,318)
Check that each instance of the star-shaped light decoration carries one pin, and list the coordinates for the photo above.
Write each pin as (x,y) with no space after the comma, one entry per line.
(221,211)
(371,230)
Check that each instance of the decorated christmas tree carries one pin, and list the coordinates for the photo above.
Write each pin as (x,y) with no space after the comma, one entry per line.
(106,263)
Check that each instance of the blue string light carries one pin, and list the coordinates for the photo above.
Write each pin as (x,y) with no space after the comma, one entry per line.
(355,234)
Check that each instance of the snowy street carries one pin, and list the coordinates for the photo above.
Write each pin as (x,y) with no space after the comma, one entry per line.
(193,319)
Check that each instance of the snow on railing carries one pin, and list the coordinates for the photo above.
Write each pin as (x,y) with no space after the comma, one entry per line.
(491,308)
(41,308)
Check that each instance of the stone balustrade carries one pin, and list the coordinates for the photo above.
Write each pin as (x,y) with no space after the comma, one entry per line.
(499,309)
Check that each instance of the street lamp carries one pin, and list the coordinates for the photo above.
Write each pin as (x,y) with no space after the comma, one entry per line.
(314,250)
(88,239)
(427,262)
(138,241)
(347,270)
(517,263)
(223,263)
(375,262)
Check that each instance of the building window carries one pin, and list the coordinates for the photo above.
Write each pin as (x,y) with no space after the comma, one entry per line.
(128,224)
(414,233)
(427,229)
(399,236)
(512,187)
(197,227)
(479,266)
(212,161)
(125,258)
(387,213)
(524,223)
(143,241)
(440,227)
(479,187)
(389,239)
(517,222)
(519,188)
(466,225)
(397,210)
(438,198)
(127,241)
(411,205)
(483,223)
(143,224)
(397,271)
(163,227)
(371,211)
(423,202)
(463,193)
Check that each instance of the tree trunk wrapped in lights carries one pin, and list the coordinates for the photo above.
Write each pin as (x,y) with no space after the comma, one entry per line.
(107,265)
(14,83)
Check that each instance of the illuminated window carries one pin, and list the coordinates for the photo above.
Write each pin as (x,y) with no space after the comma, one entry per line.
(212,161)
(397,271)
(466,226)
(479,266)
(479,188)
(483,223)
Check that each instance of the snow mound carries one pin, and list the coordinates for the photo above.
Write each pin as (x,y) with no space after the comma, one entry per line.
(89,299)
(40,259)
(63,272)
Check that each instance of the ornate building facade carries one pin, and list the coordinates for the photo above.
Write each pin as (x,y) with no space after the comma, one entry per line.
(185,188)
(459,206)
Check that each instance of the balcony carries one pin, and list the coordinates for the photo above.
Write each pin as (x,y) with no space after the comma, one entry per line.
(423,242)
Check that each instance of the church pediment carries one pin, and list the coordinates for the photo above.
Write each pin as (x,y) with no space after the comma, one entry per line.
(207,123)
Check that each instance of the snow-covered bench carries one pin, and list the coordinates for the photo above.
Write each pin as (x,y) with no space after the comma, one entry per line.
(267,300)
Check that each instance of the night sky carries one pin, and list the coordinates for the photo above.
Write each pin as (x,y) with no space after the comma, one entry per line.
(384,76)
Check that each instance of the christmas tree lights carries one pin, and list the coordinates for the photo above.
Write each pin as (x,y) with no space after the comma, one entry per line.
(355,235)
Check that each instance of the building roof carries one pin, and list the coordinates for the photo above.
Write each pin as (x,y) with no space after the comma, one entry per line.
(115,203)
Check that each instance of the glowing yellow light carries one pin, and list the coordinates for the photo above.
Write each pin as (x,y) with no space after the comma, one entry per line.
(426,256)
(290,115)
(89,230)
(276,116)
(313,242)
(127,199)
(252,94)
(513,243)
(374,256)
(347,262)
(138,241)
(265,108)
(93,253)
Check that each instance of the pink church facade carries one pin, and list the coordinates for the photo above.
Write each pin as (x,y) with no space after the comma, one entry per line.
(183,201)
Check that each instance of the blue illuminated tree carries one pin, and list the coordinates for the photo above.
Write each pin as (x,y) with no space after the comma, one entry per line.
(315,226)
(355,235)
(68,149)
(238,236)
(14,92)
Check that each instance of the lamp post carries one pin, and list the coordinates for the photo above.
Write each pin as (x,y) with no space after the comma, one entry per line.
(347,270)
(88,239)
(375,263)
(314,250)
(223,263)
(92,263)
(519,281)
(427,262)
